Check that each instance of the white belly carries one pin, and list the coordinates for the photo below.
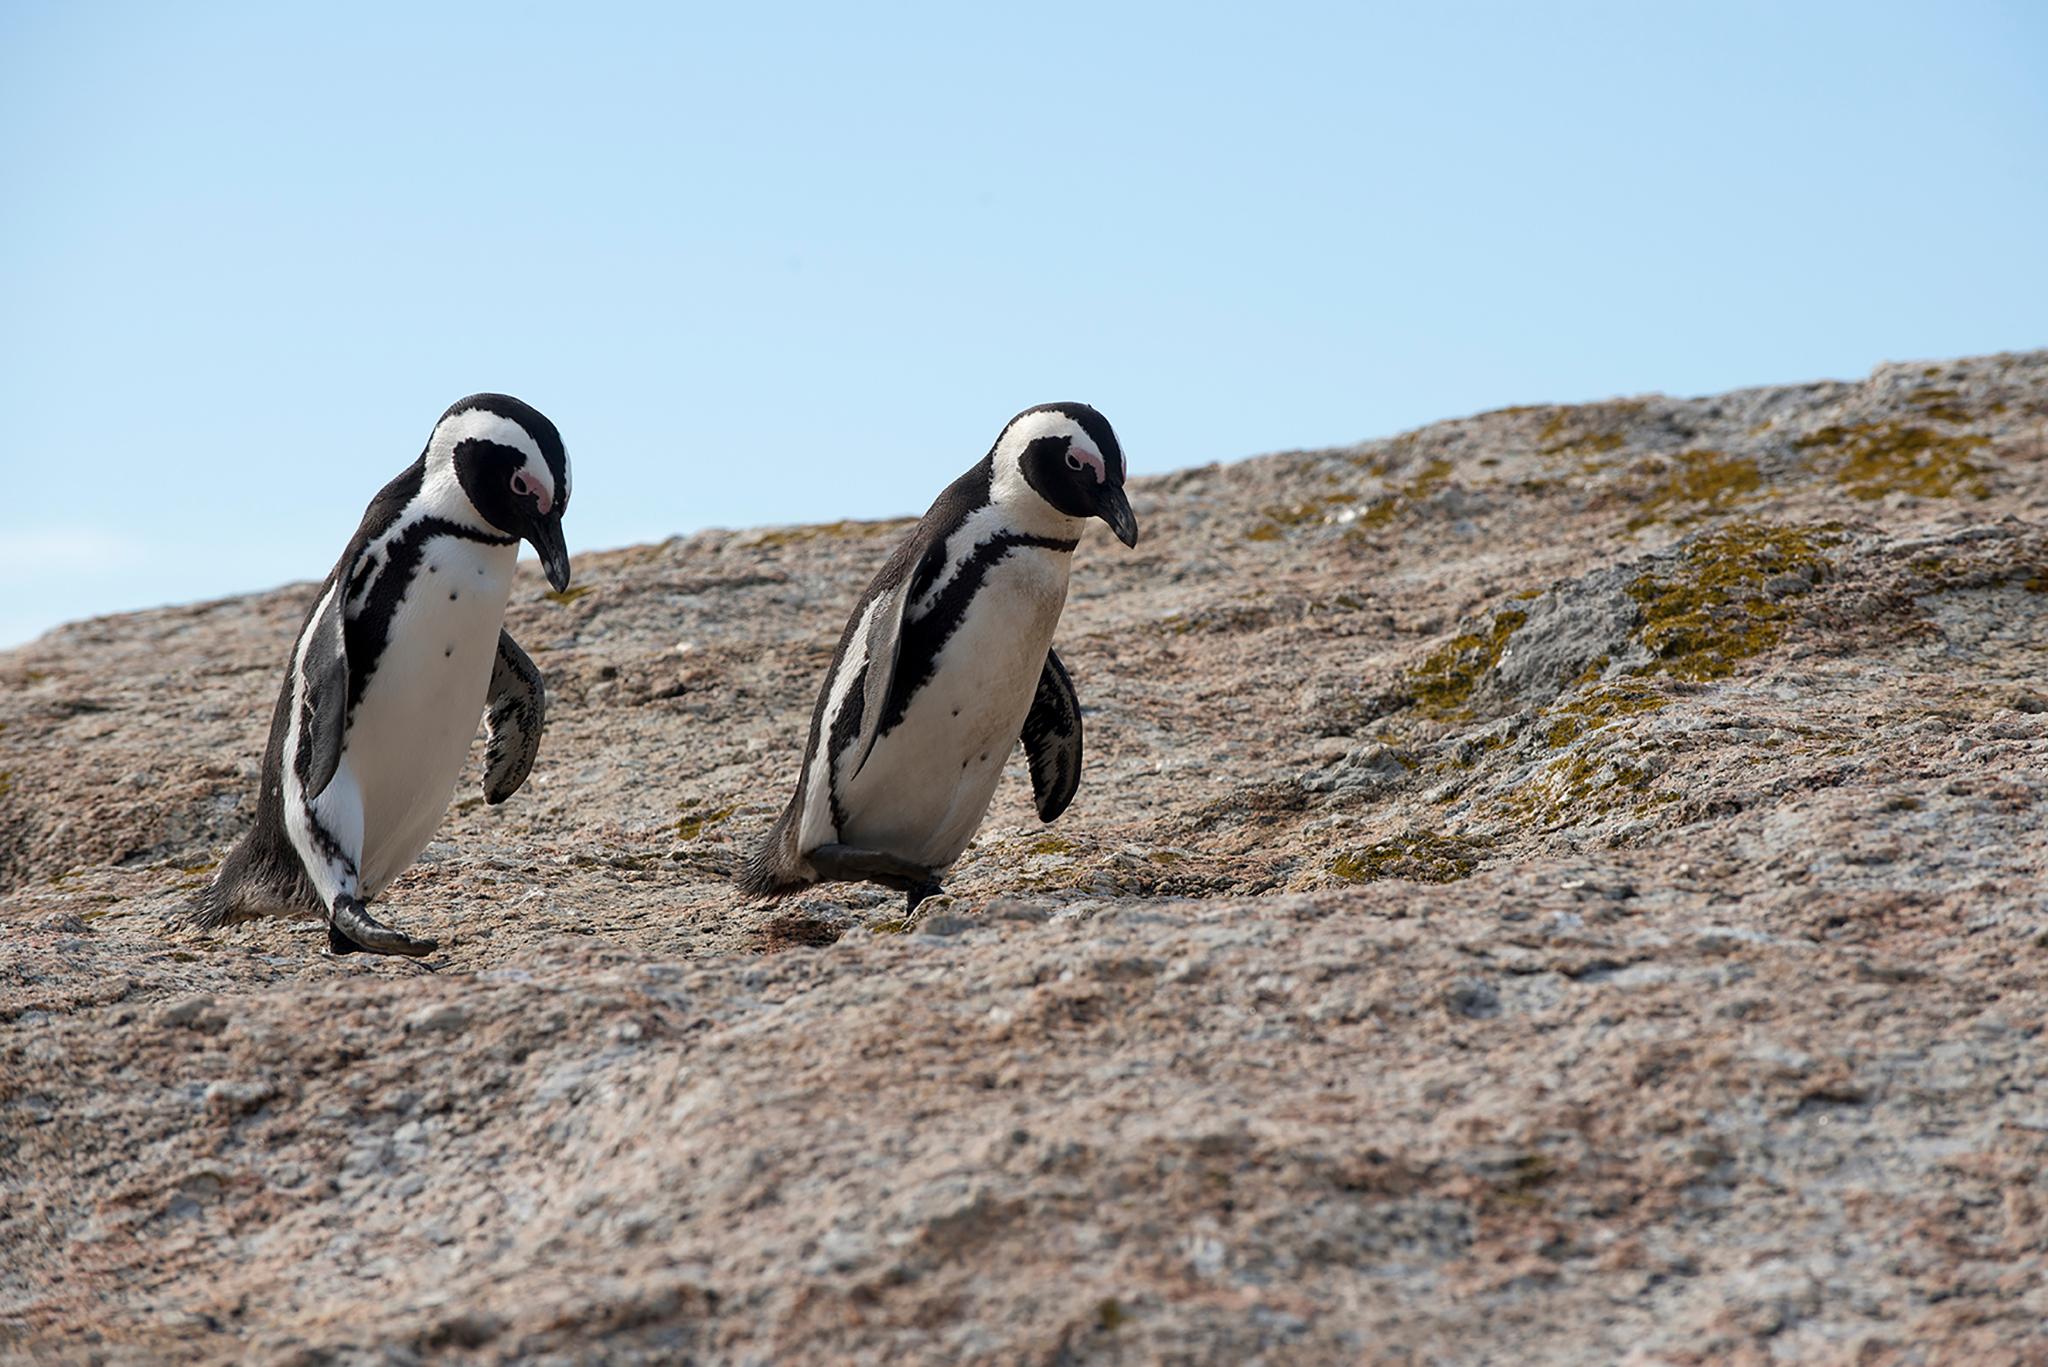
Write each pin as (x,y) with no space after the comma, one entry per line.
(928,782)
(411,734)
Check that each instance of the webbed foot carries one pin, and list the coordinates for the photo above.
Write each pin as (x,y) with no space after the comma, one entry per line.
(350,928)
(919,893)
(850,864)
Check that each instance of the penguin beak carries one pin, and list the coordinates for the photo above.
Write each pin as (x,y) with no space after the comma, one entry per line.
(545,536)
(1115,509)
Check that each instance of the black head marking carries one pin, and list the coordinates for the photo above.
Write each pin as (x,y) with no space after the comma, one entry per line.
(486,467)
(499,481)
(1063,471)
(1095,425)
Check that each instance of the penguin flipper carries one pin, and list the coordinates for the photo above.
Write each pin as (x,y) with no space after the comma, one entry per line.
(512,722)
(325,667)
(1052,740)
(884,644)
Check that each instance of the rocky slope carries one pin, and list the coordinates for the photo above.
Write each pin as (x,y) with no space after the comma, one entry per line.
(1560,885)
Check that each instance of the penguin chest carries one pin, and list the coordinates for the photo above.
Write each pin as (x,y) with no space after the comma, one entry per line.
(929,780)
(410,733)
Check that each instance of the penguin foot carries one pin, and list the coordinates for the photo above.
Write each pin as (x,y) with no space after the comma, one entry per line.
(350,928)
(918,894)
(849,864)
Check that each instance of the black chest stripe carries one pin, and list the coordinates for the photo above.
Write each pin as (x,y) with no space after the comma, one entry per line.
(918,655)
(369,630)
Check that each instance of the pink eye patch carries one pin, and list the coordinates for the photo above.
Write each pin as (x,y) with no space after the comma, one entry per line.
(523,486)
(1079,458)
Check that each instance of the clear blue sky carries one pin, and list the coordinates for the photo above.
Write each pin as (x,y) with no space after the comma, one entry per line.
(786,263)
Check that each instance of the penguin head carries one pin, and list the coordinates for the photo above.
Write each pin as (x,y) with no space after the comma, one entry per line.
(511,466)
(1066,455)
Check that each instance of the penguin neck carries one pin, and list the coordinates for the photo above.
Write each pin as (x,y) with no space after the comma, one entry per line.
(1022,508)
(1033,516)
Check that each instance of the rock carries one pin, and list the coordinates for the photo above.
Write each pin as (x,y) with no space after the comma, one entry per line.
(192,1013)
(1556,885)
(1570,628)
(1473,999)
(447,1018)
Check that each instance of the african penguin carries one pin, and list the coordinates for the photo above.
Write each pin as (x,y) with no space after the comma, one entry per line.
(946,662)
(403,649)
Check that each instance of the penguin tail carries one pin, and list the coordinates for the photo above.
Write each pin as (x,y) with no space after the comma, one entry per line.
(773,869)
(249,883)
(210,909)
(765,873)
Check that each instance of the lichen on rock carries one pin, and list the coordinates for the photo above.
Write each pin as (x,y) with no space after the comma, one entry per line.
(1420,857)
(1880,458)
(1716,605)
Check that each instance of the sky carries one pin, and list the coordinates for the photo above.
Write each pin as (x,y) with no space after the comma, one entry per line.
(782,263)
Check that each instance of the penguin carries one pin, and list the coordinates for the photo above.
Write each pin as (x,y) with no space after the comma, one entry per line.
(946,663)
(403,649)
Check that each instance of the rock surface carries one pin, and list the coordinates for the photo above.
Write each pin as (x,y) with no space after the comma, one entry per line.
(1560,885)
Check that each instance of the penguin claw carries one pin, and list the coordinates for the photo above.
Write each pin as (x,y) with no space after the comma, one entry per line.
(919,893)
(350,928)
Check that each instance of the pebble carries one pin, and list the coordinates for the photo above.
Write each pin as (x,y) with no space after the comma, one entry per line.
(447,1018)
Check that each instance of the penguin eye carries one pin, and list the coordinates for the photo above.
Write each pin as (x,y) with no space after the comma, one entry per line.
(1073,461)
(520,485)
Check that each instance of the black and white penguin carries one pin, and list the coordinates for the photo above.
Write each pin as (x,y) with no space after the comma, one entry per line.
(403,650)
(947,662)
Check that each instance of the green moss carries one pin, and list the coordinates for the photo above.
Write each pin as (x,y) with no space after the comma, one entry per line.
(1889,457)
(1109,1314)
(1596,708)
(1420,857)
(1227,617)
(633,862)
(1049,844)
(1313,512)
(1942,405)
(1425,482)
(6,782)
(1710,609)
(568,595)
(697,818)
(1592,429)
(1277,519)
(1575,786)
(1697,483)
(789,536)
(1443,682)
(1599,443)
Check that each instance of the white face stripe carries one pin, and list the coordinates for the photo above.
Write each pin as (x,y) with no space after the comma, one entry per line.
(480,424)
